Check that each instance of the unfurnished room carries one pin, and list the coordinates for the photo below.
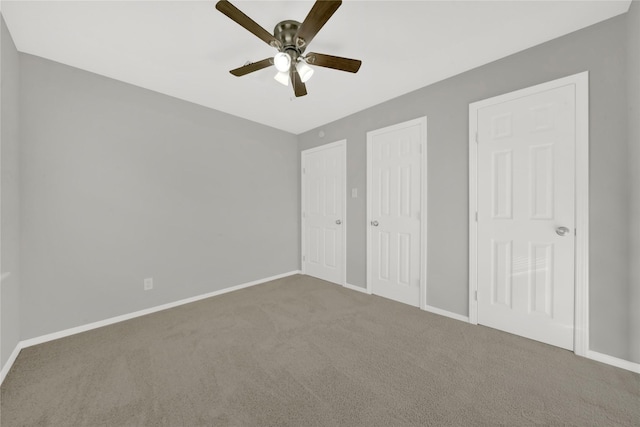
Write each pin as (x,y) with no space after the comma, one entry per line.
(319,213)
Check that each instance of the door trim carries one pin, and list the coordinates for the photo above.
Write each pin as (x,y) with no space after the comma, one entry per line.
(422,122)
(581,302)
(303,223)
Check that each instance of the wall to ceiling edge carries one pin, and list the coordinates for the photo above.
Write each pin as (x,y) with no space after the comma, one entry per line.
(9,191)
(599,49)
(633,78)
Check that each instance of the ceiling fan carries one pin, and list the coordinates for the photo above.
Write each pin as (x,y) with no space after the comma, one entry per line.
(291,38)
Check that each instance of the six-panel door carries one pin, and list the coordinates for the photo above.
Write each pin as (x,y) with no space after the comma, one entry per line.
(526,219)
(396,194)
(323,178)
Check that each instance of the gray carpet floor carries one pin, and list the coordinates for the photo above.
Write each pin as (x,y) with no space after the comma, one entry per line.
(302,352)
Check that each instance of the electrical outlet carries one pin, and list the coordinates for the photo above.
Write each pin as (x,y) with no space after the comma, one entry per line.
(148,284)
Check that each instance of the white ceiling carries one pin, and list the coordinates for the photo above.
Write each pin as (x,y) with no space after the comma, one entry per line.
(186,48)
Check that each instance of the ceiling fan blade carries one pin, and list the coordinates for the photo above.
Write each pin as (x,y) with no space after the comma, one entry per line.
(319,14)
(250,68)
(335,62)
(249,24)
(299,88)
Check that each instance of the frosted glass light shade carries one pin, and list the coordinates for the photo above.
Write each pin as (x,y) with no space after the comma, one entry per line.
(282,61)
(304,71)
(282,77)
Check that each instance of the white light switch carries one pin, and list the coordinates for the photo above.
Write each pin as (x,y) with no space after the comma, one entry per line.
(354,193)
(148,284)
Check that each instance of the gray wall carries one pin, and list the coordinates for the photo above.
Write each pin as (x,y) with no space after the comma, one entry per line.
(633,76)
(120,183)
(600,49)
(10,236)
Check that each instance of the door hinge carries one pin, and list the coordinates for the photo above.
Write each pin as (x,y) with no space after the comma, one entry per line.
(477,139)
(304,258)
(475,295)
(304,170)
(304,214)
(476,216)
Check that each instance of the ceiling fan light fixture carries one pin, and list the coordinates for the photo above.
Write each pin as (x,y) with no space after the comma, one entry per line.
(282,77)
(304,70)
(282,61)
(291,39)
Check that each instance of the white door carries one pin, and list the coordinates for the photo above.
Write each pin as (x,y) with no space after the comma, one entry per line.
(526,215)
(323,212)
(394,196)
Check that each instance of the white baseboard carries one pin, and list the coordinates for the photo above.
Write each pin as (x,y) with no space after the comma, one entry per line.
(83,328)
(450,314)
(357,288)
(614,361)
(594,355)
(12,358)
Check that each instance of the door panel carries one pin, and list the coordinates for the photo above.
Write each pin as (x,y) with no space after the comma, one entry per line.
(526,182)
(323,209)
(395,165)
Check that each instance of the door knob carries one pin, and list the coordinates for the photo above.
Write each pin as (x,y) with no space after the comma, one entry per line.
(562,231)
(374,223)
(338,222)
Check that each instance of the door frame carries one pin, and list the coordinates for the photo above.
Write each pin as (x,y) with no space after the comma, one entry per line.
(581,251)
(422,122)
(303,222)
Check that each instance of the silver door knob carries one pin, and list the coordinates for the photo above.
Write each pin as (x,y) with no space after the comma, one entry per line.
(338,222)
(374,223)
(562,231)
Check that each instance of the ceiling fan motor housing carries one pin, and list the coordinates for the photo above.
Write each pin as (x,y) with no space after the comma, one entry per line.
(285,33)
